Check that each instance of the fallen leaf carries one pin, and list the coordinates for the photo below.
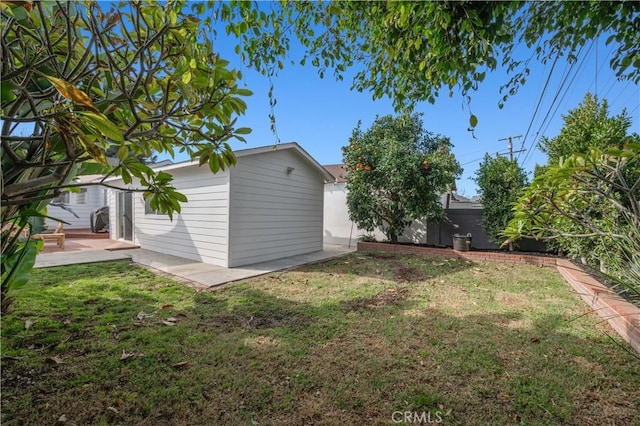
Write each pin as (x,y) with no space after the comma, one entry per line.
(114,409)
(142,315)
(167,306)
(62,419)
(28,324)
(172,319)
(15,358)
(127,355)
(182,365)
(169,323)
(54,360)
(534,340)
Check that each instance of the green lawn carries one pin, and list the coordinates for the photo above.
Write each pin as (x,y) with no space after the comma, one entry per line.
(358,340)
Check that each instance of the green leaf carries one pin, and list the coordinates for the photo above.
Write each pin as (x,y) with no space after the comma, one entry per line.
(103,124)
(473,120)
(243,131)
(7,92)
(91,168)
(17,267)
(214,163)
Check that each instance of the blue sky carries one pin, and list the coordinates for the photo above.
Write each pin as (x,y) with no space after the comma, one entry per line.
(320,114)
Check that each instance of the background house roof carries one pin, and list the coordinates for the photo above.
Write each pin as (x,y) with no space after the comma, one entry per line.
(338,171)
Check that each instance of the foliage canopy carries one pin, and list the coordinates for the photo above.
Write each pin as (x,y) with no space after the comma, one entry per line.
(414,51)
(586,201)
(500,182)
(79,81)
(396,173)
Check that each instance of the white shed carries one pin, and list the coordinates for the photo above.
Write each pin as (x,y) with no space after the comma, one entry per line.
(269,206)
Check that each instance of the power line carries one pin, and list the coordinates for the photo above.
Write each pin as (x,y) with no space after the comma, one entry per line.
(543,131)
(621,92)
(599,70)
(558,91)
(544,89)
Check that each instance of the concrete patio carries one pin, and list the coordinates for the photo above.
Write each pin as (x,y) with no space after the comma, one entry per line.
(197,274)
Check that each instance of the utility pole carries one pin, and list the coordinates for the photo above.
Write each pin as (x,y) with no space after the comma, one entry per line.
(511,151)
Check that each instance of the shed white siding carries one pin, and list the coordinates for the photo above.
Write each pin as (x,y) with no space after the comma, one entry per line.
(80,204)
(269,206)
(274,212)
(200,231)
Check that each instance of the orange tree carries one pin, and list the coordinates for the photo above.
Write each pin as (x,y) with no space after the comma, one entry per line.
(396,173)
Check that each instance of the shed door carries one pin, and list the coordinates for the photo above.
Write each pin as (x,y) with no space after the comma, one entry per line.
(125,216)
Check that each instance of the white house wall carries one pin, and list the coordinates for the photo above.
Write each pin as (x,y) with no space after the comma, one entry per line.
(200,231)
(274,214)
(338,228)
(94,199)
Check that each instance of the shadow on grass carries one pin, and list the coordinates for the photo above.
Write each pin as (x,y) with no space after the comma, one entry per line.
(245,354)
(394,267)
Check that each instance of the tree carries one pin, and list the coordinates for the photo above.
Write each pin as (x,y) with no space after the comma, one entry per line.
(500,182)
(79,81)
(413,51)
(585,127)
(396,173)
(592,199)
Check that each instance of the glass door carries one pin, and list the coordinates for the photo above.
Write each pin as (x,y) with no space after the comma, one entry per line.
(125,216)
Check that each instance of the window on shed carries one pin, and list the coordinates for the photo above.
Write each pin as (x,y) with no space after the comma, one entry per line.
(148,210)
(81,197)
(63,198)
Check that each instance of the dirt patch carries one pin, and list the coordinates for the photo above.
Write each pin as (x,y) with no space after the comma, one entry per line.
(410,274)
(292,320)
(381,256)
(388,297)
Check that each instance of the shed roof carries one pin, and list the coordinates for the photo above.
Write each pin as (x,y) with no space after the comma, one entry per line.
(326,175)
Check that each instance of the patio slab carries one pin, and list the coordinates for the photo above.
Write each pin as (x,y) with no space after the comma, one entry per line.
(197,274)
(208,276)
(48,260)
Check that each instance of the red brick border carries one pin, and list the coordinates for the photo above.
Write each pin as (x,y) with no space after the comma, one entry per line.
(623,316)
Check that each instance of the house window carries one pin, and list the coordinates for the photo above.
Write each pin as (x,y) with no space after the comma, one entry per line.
(149,211)
(81,197)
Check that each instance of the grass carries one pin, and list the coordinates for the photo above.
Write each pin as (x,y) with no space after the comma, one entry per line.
(349,341)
